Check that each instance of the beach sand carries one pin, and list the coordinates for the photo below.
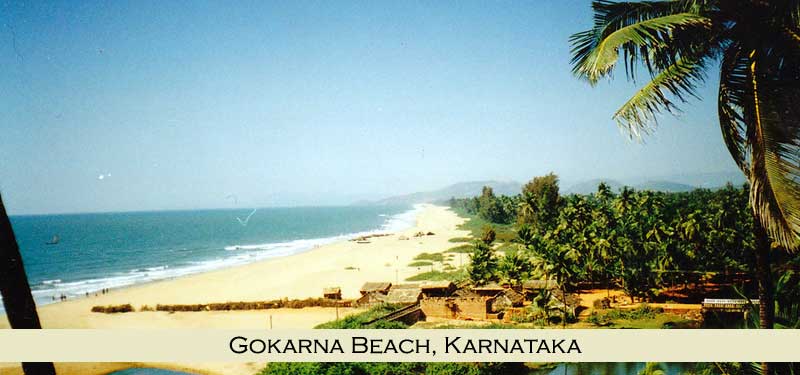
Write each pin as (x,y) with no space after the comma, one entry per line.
(345,264)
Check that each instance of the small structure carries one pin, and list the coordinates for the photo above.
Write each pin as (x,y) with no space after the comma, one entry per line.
(373,293)
(403,294)
(488,290)
(469,308)
(438,288)
(506,299)
(375,287)
(332,293)
(727,305)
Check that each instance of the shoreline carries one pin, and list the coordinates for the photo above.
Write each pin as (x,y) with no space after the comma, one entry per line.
(234,256)
(346,264)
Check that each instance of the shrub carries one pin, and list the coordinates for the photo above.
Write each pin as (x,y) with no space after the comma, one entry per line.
(356,321)
(113,309)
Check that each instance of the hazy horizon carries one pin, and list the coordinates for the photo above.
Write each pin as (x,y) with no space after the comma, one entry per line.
(158,106)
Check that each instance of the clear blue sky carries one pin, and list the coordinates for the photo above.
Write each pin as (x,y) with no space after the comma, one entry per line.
(305,103)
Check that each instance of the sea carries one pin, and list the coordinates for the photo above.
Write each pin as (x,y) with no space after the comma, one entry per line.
(114,250)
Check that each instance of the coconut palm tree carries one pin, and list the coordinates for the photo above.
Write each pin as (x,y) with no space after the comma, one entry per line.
(17,298)
(754,46)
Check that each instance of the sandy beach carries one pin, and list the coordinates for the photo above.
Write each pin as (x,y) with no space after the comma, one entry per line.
(345,264)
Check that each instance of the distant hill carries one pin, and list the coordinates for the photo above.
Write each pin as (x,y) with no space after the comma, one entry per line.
(676,183)
(708,180)
(459,190)
(667,186)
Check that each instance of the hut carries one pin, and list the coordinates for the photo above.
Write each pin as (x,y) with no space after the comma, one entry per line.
(403,294)
(332,293)
(488,290)
(469,308)
(375,287)
(506,299)
(373,293)
(438,288)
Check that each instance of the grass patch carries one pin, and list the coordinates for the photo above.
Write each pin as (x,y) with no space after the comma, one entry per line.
(455,276)
(460,239)
(420,263)
(463,249)
(357,321)
(643,317)
(508,246)
(433,257)
(475,225)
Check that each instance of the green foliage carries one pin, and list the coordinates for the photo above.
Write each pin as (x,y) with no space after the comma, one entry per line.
(420,263)
(366,368)
(642,241)
(652,368)
(356,321)
(488,236)
(679,43)
(623,316)
(514,267)
(460,239)
(465,248)
(433,257)
(483,264)
(454,276)
(539,202)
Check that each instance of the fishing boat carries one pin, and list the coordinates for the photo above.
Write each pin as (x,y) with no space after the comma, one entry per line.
(53,241)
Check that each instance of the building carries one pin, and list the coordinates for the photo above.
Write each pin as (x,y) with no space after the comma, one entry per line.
(469,308)
(375,287)
(438,288)
(403,294)
(332,293)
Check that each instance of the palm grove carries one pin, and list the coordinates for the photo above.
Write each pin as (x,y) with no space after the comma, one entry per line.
(640,241)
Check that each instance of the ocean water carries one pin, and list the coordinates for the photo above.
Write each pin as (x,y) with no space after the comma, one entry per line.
(112,250)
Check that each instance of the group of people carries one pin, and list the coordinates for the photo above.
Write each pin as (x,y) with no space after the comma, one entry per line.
(63,297)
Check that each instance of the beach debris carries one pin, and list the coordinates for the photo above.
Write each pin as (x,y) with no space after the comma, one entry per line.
(246,220)
(366,237)
(423,234)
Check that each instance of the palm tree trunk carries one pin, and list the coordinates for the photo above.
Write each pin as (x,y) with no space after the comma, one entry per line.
(766,303)
(16,293)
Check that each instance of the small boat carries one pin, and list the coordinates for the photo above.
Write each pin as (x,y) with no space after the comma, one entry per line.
(54,241)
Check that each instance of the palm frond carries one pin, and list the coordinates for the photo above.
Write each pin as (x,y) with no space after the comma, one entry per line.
(612,16)
(775,150)
(678,80)
(652,33)
(733,88)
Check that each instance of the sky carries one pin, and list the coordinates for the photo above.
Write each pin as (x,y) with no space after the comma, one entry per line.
(151,105)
